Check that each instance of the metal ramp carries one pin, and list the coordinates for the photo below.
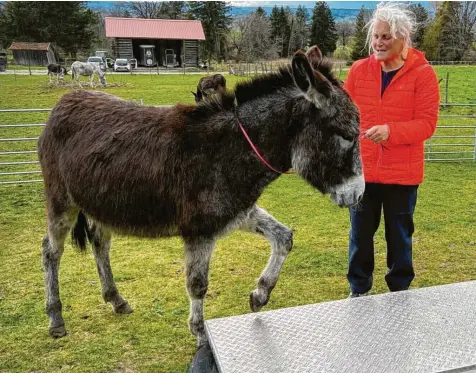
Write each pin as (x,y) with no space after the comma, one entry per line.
(425,330)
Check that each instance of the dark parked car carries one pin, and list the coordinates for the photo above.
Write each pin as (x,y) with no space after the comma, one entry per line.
(3,61)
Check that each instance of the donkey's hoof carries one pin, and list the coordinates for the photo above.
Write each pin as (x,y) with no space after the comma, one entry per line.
(257,300)
(123,308)
(57,331)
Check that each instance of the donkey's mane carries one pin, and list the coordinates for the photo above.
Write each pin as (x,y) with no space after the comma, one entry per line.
(256,87)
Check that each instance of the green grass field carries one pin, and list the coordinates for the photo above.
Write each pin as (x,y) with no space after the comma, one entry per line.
(150,274)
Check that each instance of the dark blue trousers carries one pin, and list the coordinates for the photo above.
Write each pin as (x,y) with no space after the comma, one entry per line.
(398,203)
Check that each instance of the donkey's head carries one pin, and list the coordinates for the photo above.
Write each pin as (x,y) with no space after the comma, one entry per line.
(102,78)
(198,96)
(101,74)
(326,149)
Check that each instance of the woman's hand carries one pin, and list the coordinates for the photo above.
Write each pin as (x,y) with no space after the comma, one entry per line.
(377,133)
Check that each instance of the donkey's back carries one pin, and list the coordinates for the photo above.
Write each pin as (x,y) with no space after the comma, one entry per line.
(114,160)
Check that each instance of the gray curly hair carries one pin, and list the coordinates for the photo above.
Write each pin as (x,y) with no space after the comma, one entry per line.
(399,17)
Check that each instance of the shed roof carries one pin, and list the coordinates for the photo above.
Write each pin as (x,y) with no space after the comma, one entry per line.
(154,28)
(23,45)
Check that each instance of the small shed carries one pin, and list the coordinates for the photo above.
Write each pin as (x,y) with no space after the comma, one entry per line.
(32,54)
(165,42)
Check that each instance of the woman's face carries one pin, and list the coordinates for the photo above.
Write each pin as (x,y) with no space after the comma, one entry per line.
(385,47)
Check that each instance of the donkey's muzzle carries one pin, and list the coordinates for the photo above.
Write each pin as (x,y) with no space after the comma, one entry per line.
(350,192)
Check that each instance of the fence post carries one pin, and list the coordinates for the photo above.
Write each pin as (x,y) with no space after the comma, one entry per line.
(446,88)
(474,153)
(429,149)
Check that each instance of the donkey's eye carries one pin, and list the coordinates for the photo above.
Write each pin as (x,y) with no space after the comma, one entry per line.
(345,141)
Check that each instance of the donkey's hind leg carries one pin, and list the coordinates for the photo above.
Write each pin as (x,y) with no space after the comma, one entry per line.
(101,243)
(281,239)
(198,253)
(59,225)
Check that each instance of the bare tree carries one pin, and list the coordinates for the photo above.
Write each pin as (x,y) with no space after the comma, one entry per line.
(144,9)
(345,29)
(250,38)
(120,10)
(466,21)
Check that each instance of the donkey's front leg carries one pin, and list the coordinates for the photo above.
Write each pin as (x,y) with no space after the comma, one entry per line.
(198,252)
(101,245)
(281,239)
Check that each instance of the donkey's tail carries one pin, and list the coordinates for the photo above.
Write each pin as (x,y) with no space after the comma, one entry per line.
(81,232)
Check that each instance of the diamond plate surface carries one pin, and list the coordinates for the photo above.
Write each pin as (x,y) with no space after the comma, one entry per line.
(426,330)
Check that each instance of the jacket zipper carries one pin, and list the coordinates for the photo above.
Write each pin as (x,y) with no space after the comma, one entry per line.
(380,146)
(379,156)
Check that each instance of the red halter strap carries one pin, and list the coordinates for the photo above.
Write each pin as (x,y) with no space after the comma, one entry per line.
(256,150)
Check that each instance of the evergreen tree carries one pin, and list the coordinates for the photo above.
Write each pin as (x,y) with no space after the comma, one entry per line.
(285,17)
(449,47)
(421,16)
(438,41)
(359,47)
(281,29)
(260,12)
(69,25)
(216,22)
(323,28)
(300,29)
(274,19)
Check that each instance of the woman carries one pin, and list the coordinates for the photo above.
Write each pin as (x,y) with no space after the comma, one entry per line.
(397,93)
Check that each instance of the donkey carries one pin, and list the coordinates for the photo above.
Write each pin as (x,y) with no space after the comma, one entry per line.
(209,85)
(87,69)
(56,69)
(192,171)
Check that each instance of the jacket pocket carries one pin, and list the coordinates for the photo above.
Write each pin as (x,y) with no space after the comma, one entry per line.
(396,157)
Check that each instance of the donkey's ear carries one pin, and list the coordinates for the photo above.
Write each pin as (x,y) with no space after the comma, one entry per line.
(313,84)
(314,55)
(302,72)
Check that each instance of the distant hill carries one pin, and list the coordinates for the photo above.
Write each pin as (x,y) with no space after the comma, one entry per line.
(239,11)
(336,13)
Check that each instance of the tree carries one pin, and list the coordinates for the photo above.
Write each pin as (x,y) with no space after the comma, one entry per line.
(450,47)
(70,25)
(421,17)
(345,29)
(144,9)
(260,12)
(450,34)
(323,28)
(300,30)
(173,10)
(359,45)
(281,29)
(121,10)
(250,38)
(216,21)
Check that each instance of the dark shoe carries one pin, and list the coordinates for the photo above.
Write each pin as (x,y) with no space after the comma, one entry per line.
(203,362)
(357,295)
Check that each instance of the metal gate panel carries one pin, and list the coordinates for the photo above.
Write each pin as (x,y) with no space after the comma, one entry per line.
(423,330)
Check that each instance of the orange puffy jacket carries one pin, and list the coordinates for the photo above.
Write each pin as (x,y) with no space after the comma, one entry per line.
(409,106)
